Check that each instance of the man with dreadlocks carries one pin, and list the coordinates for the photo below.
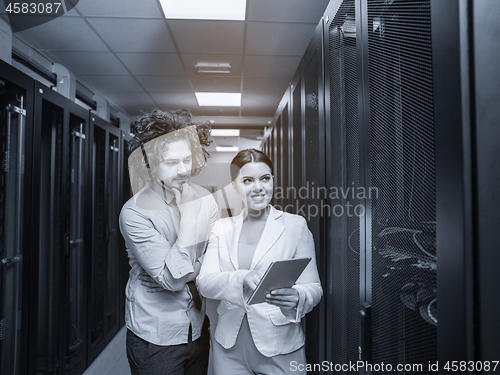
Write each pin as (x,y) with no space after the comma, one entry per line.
(166,225)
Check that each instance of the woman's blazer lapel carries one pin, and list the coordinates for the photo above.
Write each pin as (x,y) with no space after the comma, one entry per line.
(232,237)
(272,231)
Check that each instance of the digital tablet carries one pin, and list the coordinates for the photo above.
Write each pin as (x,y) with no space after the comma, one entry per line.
(279,274)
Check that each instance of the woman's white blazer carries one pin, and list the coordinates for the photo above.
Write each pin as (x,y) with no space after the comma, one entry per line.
(285,236)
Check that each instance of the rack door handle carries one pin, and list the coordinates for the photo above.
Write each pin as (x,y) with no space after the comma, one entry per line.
(365,339)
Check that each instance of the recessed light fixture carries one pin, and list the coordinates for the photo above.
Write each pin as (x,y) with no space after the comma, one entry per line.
(225,132)
(218,99)
(227,149)
(205,9)
(217,68)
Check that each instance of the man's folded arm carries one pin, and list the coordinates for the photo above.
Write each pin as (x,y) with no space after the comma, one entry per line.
(170,266)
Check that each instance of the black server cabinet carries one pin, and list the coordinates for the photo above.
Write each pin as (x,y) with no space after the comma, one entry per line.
(345,222)
(296,143)
(58,326)
(104,288)
(466,75)
(16,114)
(126,193)
(382,286)
(400,163)
(313,161)
(285,158)
(273,154)
(278,181)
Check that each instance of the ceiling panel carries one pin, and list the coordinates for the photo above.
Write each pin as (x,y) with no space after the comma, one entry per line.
(109,84)
(78,36)
(133,102)
(127,51)
(191,59)
(267,111)
(176,100)
(286,10)
(271,66)
(91,63)
(260,100)
(267,38)
(124,8)
(134,35)
(219,84)
(167,64)
(165,84)
(265,86)
(208,36)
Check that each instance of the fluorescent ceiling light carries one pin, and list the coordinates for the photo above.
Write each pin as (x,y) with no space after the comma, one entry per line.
(213,68)
(225,132)
(205,9)
(227,149)
(218,99)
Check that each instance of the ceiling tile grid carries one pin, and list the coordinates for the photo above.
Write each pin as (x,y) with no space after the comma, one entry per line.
(271,66)
(114,84)
(148,63)
(91,63)
(199,36)
(157,84)
(134,35)
(127,50)
(77,35)
(286,10)
(117,8)
(267,38)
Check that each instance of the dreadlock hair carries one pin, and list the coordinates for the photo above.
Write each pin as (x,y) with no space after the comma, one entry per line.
(153,130)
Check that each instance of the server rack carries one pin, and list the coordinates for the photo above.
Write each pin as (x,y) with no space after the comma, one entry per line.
(297,149)
(465,48)
(404,81)
(105,175)
(383,292)
(58,309)
(126,193)
(16,133)
(343,160)
(285,157)
(47,305)
(312,99)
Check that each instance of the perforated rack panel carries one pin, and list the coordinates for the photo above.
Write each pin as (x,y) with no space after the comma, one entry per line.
(403,225)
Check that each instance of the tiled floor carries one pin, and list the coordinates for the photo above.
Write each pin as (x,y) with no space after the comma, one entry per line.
(113,359)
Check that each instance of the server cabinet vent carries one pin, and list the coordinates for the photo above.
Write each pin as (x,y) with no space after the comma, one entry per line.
(98,263)
(297,147)
(285,159)
(52,246)
(403,226)
(312,142)
(344,235)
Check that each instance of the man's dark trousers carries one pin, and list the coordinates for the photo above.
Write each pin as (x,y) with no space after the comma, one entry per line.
(184,359)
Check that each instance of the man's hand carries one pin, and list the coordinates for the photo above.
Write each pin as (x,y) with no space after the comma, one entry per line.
(151,285)
(189,204)
(196,267)
(188,201)
(286,299)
